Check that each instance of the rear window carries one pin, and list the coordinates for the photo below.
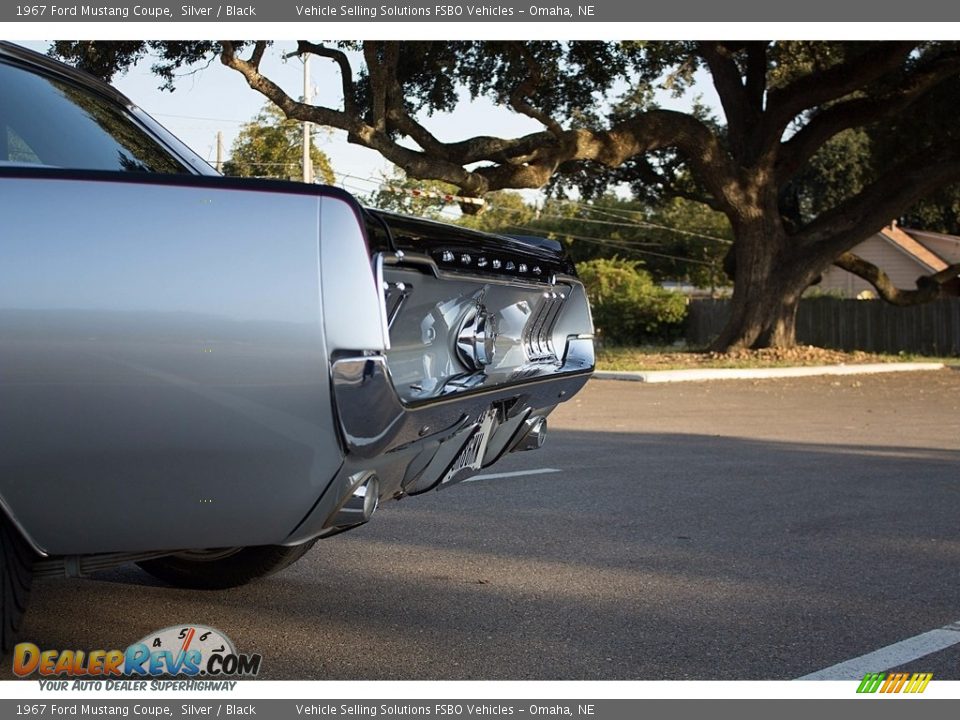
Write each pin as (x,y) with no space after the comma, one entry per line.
(45,121)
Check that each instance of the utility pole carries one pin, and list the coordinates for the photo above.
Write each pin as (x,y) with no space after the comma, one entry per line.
(219,151)
(307,126)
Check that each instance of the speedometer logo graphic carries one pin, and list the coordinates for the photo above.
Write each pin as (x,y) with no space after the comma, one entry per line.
(184,638)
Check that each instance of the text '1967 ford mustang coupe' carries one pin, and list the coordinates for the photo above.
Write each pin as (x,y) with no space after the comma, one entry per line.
(205,375)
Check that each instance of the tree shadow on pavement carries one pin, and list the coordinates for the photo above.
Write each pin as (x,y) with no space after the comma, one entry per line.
(648,556)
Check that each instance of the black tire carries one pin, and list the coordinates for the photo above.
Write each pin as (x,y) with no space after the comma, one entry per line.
(221,569)
(16,574)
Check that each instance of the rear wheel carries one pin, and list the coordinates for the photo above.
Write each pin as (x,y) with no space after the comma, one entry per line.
(225,567)
(16,572)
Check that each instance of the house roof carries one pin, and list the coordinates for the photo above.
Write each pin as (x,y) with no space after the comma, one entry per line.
(907,244)
(923,234)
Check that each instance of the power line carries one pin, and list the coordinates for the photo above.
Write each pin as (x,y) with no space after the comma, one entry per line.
(636,224)
(586,206)
(647,223)
(622,246)
(633,222)
(589,208)
(195,117)
(628,245)
(388,185)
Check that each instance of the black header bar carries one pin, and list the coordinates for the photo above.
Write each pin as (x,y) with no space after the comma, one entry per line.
(562,11)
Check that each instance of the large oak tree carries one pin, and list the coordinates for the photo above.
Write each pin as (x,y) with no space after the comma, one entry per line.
(782,104)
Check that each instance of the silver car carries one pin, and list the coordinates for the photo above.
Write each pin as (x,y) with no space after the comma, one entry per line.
(205,375)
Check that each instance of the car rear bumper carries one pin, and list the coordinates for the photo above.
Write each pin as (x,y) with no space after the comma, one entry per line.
(414,448)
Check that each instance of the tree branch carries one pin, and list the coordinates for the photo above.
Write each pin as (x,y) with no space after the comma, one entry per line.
(274,93)
(651,130)
(656,129)
(526,162)
(484,148)
(652,177)
(816,88)
(256,54)
(398,116)
(756,80)
(861,111)
(346,72)
(840,228)
(929,287)
(741,92)
(518,98)
(376,70)
(729,85)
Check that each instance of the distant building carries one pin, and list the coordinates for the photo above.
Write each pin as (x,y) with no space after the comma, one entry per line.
(694,292)
(903,254)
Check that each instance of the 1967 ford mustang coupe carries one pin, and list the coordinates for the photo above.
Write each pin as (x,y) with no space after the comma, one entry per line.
(205,375)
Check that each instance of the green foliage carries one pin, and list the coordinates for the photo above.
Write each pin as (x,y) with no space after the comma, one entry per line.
(591,84)
(940,212)
(572,75)
(676,239)
(838,171)
(505,212)
(934,117)
(850,161)
(395,195)
(108,59)
(814,144)
(628,307)
(271,146)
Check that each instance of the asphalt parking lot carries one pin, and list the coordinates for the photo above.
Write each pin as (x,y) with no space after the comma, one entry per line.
(725,530)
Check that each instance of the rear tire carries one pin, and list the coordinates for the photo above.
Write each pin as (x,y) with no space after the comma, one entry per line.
(16,574)
(226,568)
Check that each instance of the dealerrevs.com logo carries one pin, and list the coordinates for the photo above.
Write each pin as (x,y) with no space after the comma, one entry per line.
(184,650)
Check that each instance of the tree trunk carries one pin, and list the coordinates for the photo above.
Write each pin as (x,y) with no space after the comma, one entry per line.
(769,280)
(765,319)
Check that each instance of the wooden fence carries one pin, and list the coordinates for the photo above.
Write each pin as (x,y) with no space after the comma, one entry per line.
(871,325)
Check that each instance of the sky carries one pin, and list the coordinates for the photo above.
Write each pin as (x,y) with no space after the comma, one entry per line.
(217,98)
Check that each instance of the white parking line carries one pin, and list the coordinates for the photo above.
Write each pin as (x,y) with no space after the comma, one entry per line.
(891,656)
(515,473)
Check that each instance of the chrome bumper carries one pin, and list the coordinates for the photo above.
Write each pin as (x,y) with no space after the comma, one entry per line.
(415,448)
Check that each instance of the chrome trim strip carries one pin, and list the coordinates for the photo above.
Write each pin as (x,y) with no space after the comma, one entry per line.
(381,287)
(374,420)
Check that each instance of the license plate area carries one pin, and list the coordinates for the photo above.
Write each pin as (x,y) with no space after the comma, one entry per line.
(471,457)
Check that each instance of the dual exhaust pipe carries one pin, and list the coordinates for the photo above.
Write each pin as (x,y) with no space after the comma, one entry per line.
(360,504)
(534,438)
(363,498)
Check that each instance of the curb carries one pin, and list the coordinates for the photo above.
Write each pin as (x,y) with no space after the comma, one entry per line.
(665,376)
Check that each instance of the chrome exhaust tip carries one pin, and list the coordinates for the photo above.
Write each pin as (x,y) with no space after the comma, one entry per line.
(360,503)
(534,437)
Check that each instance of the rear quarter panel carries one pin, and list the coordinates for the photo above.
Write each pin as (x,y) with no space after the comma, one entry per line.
(163,369)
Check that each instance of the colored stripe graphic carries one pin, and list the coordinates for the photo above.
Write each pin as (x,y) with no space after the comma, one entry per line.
(894,682)
(870,683)
(919,682)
